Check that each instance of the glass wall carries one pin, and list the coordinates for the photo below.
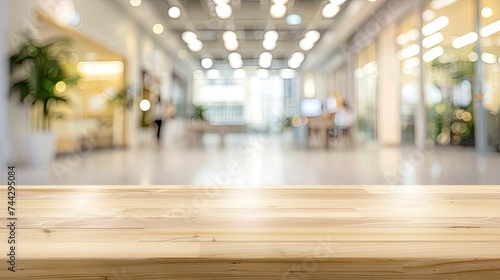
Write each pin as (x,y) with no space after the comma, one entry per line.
(366,91)
(408,46)
(448,56)
(490,41)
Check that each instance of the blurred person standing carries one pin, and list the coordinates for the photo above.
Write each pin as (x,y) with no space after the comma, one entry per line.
(159,114)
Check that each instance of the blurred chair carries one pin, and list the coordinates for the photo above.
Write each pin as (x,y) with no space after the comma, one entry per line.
(344,120)
(318,127)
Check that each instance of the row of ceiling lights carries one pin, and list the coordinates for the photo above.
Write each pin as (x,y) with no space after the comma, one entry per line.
(433,37)
(278,10)
(214,74)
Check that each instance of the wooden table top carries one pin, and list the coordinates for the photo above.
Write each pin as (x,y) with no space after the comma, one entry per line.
(249,232)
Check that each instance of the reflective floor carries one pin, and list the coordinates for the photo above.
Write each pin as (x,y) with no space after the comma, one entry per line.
(264,160)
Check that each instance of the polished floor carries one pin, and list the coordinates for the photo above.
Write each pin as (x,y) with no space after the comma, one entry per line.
(253,159)
(257,232)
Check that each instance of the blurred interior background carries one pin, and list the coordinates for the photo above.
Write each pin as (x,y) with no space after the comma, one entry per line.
(251,92)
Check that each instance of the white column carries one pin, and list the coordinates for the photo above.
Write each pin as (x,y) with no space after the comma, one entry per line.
(420,110)
(4,88)
(389,96)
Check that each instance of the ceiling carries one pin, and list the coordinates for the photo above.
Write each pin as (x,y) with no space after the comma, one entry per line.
(250,19)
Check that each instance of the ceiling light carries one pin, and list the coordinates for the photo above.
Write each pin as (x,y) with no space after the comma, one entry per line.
(337,2)
(411,63)
(373,1)
(189,37)
(223,11)
(408,52)
(221,2)
(207,62)
(271,35)
(431,41)
(145,105)
(239,74)
(236,64)
(490,29)
(371,67)
(433,54)
(263,73)
(135,3)
(305,44)
(489,58)
(158,28)
(265,60)
(213,74)
(280,2)
(174,12)
(296,60)
(408,37)
(231,45)
(229,36)
(486,12)
(195,46)
(278,10)
(312,35)
(464,40)
(428,15)
(435,25)
(330,10)
(293,19)
(234,56)
(269,45)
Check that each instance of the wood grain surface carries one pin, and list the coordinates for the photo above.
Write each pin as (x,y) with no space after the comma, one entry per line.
(249,232)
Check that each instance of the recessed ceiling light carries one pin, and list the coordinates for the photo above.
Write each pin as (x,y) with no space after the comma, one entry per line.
(312,35)
(269,44)
(189,36)
(229,36)
(486,12)
(330,10)
(234,56)
(135,3)
(372,1)
(158,28)
(174,12)
(428,15)
(337,2)
(293,19)
(306,44)
(223,11)
(207,63)
(278,10)
(231,45)
(195,46)
(271,35)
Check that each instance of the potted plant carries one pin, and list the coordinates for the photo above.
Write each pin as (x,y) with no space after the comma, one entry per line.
(36,76)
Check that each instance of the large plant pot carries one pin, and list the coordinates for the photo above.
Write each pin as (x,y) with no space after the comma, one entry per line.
(41,147)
